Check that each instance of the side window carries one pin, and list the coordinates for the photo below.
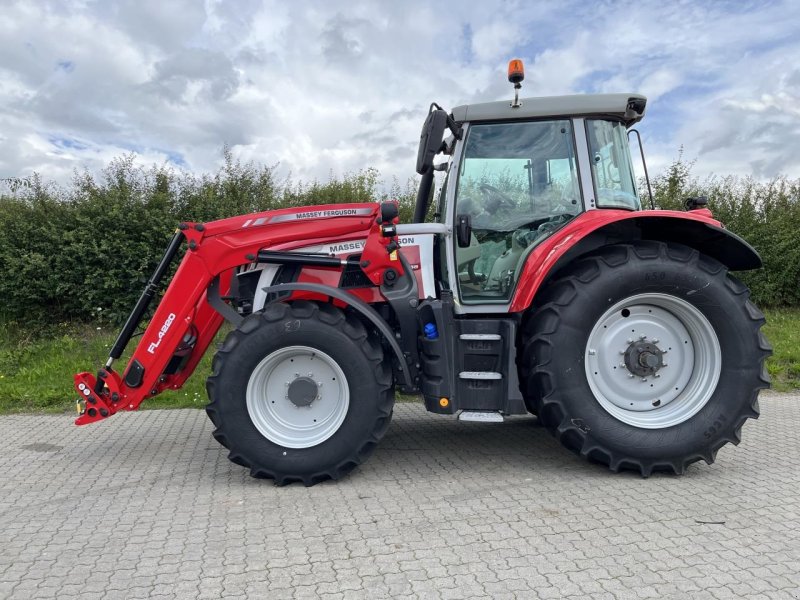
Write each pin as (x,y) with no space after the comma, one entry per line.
(612,171)
(518,182)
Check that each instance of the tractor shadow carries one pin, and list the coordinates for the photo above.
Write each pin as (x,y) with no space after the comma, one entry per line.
(430,445)
(441,445)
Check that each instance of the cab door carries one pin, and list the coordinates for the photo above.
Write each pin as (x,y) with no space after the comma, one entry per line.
(515,183)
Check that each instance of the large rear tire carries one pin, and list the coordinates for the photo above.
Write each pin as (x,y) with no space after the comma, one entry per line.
(644,356)
(300,392)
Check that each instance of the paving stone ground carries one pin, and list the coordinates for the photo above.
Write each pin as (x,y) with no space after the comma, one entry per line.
(146,505)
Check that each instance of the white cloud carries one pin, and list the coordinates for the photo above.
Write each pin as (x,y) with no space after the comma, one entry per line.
(322,85)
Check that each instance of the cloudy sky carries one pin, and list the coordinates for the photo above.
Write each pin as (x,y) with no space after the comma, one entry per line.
(321,86)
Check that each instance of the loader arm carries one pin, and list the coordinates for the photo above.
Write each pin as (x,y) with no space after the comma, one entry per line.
(186,320)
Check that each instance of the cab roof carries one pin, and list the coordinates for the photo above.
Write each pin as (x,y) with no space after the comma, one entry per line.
(629,108)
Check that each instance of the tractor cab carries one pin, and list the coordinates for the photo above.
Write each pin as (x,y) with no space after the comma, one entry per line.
(518,172)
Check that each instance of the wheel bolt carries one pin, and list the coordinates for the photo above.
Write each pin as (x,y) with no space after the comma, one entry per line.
(630,340)
(644,378)
(657,375)
(310,374)
(592,352)
(642,337)
(655,340)
(630,375)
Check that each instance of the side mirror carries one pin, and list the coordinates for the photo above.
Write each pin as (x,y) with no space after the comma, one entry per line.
(463,230)
(696,202)
(430,140)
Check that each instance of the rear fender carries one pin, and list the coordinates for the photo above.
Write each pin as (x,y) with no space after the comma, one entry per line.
(597,228)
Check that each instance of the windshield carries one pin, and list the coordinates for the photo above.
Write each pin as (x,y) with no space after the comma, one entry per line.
(518,182)
(614,181)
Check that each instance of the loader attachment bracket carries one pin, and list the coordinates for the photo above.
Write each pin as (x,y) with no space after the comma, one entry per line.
(94,405)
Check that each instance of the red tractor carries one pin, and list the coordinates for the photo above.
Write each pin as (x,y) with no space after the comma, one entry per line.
(541,286)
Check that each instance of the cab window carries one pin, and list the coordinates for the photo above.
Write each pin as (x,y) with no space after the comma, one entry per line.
(612,171)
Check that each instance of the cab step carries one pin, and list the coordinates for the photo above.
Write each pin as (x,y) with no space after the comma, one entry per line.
(480,416)
(483,375)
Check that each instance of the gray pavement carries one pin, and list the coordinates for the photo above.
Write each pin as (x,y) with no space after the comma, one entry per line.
(146,505)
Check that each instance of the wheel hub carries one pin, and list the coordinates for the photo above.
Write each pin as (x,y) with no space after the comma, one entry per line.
(302,391)
(643,358)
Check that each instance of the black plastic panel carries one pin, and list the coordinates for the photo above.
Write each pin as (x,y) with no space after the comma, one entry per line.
(445,358)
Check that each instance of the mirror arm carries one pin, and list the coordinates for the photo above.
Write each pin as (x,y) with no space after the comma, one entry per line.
(423,194)
(454,127)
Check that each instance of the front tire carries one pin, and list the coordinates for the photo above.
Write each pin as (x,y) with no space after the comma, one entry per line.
(300,392)
(644,356)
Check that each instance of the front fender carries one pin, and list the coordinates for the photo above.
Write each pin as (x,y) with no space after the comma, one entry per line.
(359,305)
(597,228)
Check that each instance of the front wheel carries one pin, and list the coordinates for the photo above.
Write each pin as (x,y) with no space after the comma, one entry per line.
(300,392)
(646,356)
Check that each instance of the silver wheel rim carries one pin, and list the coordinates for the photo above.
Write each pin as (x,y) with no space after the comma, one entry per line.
(680,338)
(282,405)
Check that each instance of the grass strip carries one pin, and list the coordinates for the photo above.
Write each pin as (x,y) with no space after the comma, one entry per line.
(36,368)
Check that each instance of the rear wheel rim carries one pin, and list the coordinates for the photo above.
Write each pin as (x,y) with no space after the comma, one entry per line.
(282,404)
(653,360)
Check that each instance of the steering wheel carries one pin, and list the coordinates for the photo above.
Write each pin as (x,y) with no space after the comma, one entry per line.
(494,198)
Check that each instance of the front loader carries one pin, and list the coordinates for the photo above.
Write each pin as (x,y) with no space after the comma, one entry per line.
(542,286)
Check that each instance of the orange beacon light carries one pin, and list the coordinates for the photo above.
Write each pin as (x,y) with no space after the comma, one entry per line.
(516,71)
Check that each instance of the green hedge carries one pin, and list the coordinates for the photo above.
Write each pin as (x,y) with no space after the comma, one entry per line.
(765,213)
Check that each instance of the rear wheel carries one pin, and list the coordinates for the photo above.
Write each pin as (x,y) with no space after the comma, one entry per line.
(646,356)
(300,392)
